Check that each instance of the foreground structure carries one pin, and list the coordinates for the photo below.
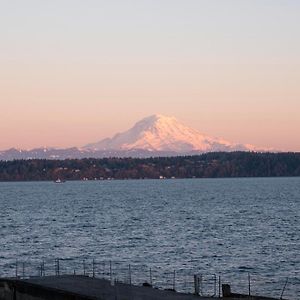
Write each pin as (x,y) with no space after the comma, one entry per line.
(78,287)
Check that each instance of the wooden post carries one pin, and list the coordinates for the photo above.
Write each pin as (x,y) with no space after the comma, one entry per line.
(226,290)
(219,286)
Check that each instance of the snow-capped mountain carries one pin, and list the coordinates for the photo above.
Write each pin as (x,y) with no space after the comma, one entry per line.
(156,135)
(167,134)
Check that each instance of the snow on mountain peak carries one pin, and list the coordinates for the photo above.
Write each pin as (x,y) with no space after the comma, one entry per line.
(163,133)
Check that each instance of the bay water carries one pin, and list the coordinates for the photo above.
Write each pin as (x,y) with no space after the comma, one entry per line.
(227,230)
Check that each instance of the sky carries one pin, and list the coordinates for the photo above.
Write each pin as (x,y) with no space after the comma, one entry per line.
(73,72)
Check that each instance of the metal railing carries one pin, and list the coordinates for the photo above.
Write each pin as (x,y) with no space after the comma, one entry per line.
(161,277)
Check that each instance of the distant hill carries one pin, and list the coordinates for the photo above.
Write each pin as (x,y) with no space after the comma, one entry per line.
(209,165)
(76,153)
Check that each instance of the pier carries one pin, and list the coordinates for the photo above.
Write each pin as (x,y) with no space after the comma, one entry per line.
(107,280)
(79,287)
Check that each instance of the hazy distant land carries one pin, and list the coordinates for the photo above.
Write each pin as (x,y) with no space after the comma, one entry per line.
(209,165)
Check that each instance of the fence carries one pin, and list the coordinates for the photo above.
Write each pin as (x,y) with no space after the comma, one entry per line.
(161,277)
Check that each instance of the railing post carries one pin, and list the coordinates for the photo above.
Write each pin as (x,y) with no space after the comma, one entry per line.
(83,267)
(56,264)
(219,286)
(215,285)
(200,285)
(196,284)
(174,280)
(110,271)
(23,270)
(249,285)
(287,279)
(43,268)
(151,276)
(16,268)
(129,273)
(93,268)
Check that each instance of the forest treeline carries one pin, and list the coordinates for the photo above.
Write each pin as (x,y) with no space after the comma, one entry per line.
(209,165)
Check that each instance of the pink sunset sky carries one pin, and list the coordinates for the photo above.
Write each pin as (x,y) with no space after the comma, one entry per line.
(74,72)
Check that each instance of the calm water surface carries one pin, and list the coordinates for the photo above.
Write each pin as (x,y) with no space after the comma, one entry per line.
(228,227)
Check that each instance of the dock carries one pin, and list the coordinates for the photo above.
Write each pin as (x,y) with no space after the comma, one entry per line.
(79,287)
